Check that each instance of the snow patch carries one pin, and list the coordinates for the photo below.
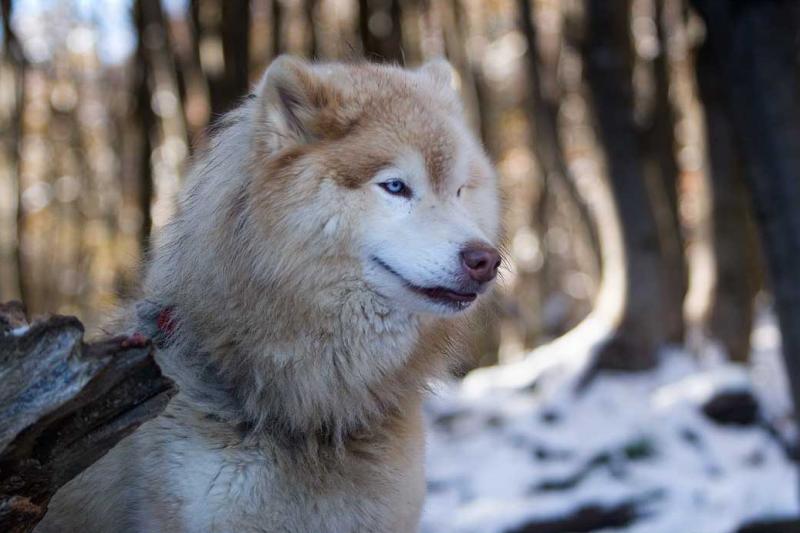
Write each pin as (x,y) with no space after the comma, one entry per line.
(514,444)
(20,331)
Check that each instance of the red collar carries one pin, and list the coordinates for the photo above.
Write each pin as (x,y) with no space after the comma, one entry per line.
(166,321)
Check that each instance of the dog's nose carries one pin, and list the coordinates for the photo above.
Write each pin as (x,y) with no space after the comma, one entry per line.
(480,261)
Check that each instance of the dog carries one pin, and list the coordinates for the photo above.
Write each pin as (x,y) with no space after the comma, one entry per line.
(339,230)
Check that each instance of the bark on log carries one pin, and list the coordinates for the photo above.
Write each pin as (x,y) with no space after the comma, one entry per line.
(63,405)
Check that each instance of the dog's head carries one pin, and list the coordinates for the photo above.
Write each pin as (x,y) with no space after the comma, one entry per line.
(370,172)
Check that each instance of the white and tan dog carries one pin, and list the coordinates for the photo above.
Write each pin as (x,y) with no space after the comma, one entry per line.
(343,221)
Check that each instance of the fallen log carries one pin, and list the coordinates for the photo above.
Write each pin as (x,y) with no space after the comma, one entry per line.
(64,403)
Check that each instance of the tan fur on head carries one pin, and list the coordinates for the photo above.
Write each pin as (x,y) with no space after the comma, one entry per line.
(259,263)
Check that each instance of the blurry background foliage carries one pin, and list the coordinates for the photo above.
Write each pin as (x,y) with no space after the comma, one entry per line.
(591,110)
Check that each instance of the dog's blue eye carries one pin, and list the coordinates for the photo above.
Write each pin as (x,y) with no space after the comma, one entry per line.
(396,187)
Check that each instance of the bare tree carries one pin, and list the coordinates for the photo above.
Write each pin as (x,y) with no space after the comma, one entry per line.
(379,23)
(542,107)
(608,59)
(310,11)
(143,116)
(235,33)
(277,27)
(662,173)
(14,56)
(736,257)
(226,25)
(755,47)
(189,77)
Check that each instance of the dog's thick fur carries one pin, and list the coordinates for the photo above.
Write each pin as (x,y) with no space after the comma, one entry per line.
(297,339)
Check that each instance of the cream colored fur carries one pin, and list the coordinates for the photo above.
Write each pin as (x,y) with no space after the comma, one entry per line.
(301,361)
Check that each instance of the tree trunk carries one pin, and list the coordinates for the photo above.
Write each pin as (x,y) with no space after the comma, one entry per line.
(191,82)
(608,59)
(225,24)
(451,18)
(558,184)
(379,26)
(15,56)
(235,32)
(754,44)
(730,319)
(277,27)
(310,10)
(63,405)
(543,108)
(145,120)
(662,166)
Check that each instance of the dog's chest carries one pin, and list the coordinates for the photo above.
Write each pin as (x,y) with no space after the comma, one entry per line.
(218,488)
(203,485)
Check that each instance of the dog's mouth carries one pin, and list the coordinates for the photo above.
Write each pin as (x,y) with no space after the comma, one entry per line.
(440,295)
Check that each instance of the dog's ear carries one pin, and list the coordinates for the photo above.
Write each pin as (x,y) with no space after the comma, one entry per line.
(291,96)
(440,71)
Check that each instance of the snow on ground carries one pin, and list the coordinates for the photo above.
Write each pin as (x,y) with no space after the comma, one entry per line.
(20,331)
(515,444)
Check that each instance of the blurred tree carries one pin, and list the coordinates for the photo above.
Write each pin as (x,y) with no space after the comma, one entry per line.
(542,107)
(451,17)
(235,32)
(379,23)
(641,329)
(277,27)
(311,12)
(190,80)
(149,21)
(16,65)
(755,47)
(223,36)
(662,173)
(736,257)
(558,185)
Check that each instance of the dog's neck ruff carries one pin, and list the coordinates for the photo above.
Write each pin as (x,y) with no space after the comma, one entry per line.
(255,402)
